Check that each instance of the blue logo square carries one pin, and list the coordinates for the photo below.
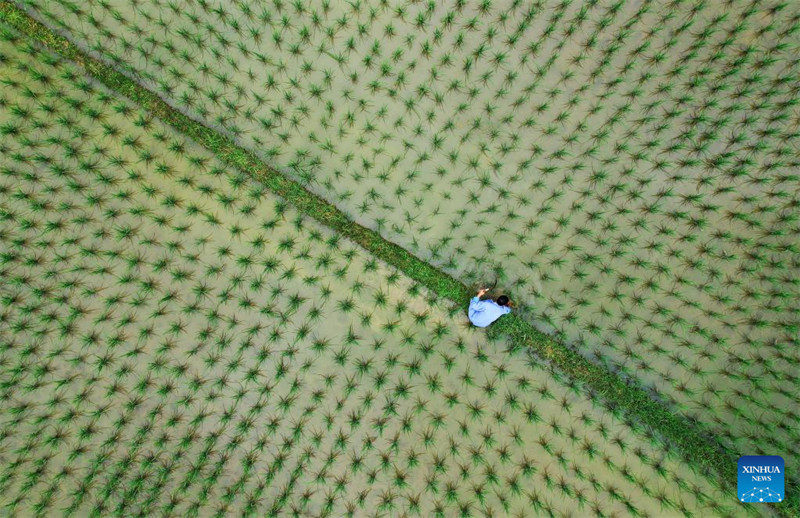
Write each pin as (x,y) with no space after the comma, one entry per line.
(761,478)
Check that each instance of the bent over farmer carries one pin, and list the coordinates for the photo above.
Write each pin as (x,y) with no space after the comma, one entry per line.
(484,312)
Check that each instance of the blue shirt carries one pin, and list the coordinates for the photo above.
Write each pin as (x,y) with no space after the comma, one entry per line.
(484,312)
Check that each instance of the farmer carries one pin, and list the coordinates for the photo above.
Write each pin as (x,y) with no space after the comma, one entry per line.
(484,312)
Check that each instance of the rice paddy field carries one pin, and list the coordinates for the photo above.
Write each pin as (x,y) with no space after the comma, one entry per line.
(177,338)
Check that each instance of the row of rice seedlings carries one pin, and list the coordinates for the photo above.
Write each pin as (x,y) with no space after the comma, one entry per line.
(236,358)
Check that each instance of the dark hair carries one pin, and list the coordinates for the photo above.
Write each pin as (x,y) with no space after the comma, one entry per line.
(502,300)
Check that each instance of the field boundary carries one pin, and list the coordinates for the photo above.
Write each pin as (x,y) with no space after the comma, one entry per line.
(696,447)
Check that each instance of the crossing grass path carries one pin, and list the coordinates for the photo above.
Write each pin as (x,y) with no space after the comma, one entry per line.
(694,445)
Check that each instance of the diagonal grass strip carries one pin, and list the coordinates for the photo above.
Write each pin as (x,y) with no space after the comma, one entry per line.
(697,448)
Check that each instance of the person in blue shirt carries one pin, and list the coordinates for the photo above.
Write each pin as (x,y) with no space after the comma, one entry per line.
(484,312)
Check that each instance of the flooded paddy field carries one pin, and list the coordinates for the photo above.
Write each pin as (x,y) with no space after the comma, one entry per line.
(627,170)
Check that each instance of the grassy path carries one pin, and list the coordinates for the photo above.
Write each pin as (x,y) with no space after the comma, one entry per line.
(698,449)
